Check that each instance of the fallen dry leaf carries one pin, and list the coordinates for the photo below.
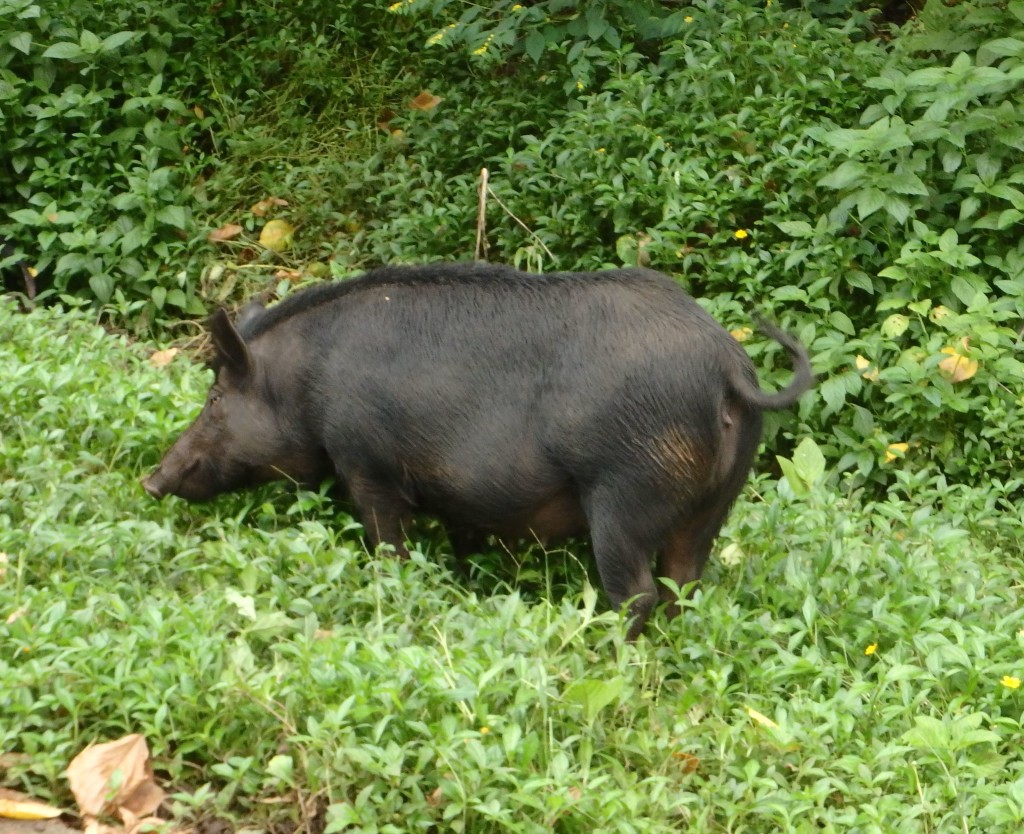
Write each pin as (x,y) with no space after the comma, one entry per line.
(261,208)
(956,367)
(96,790)
(688,761)
(16,614)
(15,805)
(161,358)
(277,235)
(425,101)
(290,274)
(13,759)
(229,231)
(864,366)
(761,719)
(741,334)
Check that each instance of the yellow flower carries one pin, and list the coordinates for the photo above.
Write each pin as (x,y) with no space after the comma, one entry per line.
(484,730)
(895,450)
(1010,682)
(600,150)
(579,86)
(435,38)
(741,234)
(517,7)
(480,50)
(394,7)
(688,19)
(870,650)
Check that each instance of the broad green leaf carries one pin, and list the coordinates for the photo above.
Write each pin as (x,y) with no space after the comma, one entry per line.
(65,50)
(833,391)
(176,216)
(102,287)
(789,472)
(594,695)
(535,45)
(905,184)
(847,174)
(26,217)
(809,461)
(869,200)
(22,41)
(795,228)
(928,733)
(112,42)
(89,42)
(897,208)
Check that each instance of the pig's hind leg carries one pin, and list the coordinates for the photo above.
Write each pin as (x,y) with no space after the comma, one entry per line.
(625,533)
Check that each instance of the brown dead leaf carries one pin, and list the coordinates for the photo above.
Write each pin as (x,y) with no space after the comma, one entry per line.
(688,761)
(425,101)
(262,208)
(15,805)
(8,760)
(289,274)
(435,796)
(162,358)
(229,231)
(116,776)
(200,113)
(384,118)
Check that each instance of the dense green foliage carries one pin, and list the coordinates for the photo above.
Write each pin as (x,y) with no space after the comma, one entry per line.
(264,655)
(862,185)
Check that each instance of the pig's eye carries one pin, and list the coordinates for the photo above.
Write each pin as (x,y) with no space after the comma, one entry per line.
(214,399)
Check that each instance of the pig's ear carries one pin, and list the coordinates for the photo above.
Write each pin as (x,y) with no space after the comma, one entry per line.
(230,347)
(250,312)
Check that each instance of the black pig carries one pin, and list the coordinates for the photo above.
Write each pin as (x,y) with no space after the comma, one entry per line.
(501,402)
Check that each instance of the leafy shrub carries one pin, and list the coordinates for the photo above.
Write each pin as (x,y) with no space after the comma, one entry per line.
(932,184)
(112,115)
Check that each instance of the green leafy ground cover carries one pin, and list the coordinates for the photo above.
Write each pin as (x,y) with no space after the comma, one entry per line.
(850,662)
(845,666)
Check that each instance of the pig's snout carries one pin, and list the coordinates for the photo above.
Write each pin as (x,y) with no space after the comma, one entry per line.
(150,484)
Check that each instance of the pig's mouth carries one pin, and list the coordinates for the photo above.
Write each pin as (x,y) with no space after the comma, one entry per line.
(158,485)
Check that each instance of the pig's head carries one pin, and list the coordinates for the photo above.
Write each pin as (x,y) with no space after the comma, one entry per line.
(243,437)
